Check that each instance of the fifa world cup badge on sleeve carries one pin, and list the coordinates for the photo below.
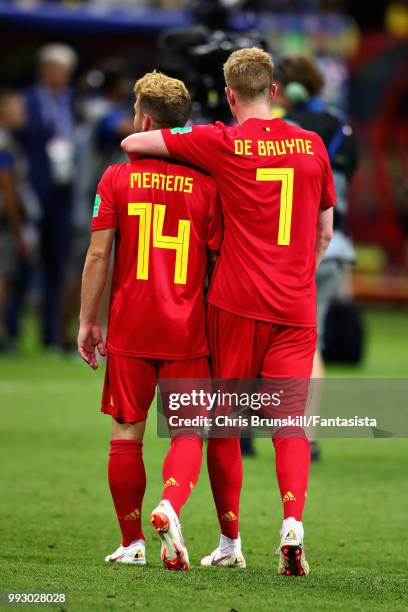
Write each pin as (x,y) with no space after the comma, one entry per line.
(96,205)
(181,130)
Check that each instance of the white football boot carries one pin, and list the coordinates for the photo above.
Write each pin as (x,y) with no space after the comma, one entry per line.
(134,554)
(292,558)
(166,524)
(227,554)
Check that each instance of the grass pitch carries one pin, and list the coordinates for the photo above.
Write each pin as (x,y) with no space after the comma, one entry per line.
(57,521)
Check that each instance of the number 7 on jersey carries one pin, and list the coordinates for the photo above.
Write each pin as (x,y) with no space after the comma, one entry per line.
(286,176)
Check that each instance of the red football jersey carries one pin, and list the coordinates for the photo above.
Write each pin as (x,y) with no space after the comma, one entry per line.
(272,178)
(166,217)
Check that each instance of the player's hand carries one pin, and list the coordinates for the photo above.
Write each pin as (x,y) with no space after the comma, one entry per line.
(90,339)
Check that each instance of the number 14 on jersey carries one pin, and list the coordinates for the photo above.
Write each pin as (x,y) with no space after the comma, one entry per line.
(147,212)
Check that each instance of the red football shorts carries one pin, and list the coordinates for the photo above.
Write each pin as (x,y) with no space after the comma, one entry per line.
(243,348)
(247,348)
(130,383)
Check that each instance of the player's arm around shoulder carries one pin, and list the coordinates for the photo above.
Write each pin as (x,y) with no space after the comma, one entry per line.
(198,145)
(145,143)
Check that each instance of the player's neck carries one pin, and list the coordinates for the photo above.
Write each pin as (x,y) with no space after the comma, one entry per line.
(254,111)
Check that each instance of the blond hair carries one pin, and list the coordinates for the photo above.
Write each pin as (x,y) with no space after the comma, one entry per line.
(249,72)
(166,100)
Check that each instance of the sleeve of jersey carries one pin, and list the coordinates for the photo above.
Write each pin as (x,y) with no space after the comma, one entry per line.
(104,214)
(197,145)
(328,197)
(215,225)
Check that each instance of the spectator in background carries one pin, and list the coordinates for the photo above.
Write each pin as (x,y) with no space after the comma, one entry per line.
(49,146)
(103,121)
(300,84)
(18,206)
(117,122)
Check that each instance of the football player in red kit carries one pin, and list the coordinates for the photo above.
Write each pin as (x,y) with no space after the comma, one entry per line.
(277,194)
(164,219)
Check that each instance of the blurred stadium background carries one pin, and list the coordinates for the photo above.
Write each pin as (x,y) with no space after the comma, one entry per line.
(362,54)
(55,502)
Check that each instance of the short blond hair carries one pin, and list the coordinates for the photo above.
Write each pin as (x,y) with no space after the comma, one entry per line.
(166,100)
(249,72)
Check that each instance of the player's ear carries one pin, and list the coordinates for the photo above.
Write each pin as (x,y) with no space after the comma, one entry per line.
(230,96)
(147,123)
(274,91)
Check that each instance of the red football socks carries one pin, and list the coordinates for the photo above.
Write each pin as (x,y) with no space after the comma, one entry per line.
(127,482)
(225,471)
(292,471)
(181,469)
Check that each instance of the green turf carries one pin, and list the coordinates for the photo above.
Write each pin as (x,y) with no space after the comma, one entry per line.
(57,521)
